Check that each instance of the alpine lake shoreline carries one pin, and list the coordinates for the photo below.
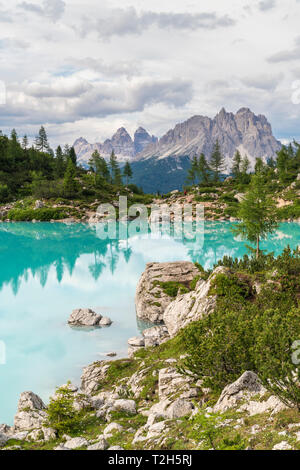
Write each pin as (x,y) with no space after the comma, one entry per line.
(145,401)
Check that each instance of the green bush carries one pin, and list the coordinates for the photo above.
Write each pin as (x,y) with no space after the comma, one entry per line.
(45,214)
(61,414)
(276,354)
(249,331)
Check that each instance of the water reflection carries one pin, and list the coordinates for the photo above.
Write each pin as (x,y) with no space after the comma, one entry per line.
(47,270)
(34,248)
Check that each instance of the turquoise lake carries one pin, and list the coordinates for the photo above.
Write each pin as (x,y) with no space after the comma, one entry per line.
(47,270)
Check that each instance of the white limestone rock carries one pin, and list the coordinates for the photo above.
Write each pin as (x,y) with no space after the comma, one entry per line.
(30,414)
(84,317)
(92,376)
(111,429)
(101,444)
(151,301)
(193,306)
(76,443)
(246,386)
(284,445)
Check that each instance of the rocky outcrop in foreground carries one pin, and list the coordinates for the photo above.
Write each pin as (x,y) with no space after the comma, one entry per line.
(154,304)
(151,299)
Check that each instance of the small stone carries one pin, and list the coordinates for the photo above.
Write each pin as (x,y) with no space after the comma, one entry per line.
(76,443)
(105,321)
(284,445)
(101,444)
(111,428)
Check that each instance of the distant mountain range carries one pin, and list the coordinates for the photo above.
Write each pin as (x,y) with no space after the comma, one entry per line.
(123,145)
(162,164)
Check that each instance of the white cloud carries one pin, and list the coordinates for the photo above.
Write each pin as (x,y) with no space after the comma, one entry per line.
(53,9)
(265,5)
(162,63)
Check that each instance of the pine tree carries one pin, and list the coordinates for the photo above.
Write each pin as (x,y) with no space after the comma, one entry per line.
(41,141)
(59,163)
(116,176)
(203,169)
(193,171)
(259,165)
(236,167)
(70,184)
(257,213)
(217,161)
(127,173)
(73,156)
(99,167)
(245,164)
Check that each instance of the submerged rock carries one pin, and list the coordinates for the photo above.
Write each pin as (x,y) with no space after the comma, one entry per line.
(151,300)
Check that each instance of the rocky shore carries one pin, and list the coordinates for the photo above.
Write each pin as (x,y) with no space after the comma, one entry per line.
(146,401)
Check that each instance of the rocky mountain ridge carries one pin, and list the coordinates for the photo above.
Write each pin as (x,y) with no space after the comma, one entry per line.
(121,143)
(244,131)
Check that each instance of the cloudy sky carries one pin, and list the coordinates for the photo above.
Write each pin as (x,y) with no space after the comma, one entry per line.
(85,68)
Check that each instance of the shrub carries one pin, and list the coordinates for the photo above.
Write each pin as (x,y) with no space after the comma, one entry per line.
(275,356)
(61,414)
(219,347)
(45,214)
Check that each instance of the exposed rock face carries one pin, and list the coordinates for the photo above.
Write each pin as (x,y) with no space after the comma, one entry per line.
(246,386)
(30,413)
(193,306)
(151,301)
(172,409)
(76,443)
(84,317)
(151,337)
(142,139)
(101,444)
(29,400)
(121,143)
(170,382)
(155,336)
(92,376)
(243,131)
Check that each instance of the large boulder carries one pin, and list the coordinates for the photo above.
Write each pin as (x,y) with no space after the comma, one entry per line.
(30,414)
(84,317)
(151,300)
(155,336)
(193,306)
(76,443)
(30,401)
(172,409)
(171,382)
(93,375)
(242,389)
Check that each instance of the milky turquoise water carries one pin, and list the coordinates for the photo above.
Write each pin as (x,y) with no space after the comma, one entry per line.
(47,270)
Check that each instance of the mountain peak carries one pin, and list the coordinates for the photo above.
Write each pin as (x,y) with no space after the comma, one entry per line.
(243,131)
